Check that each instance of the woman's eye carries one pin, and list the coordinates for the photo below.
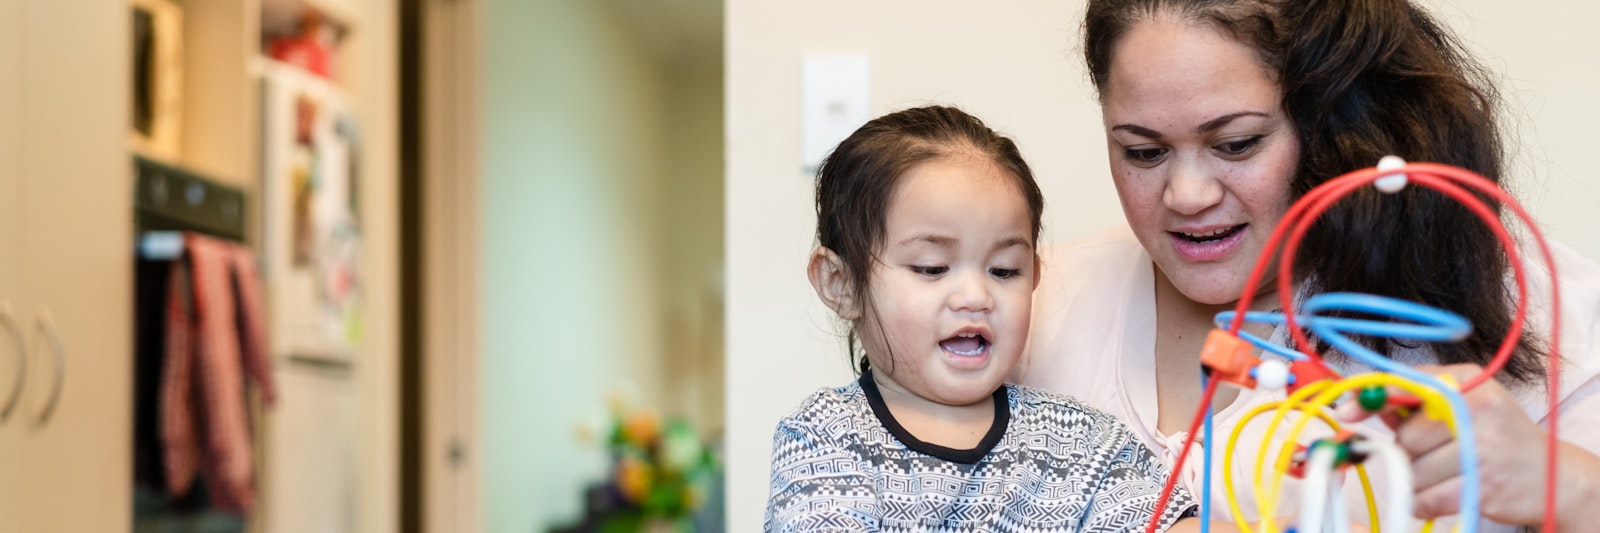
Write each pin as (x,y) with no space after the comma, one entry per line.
(1005,273)
(1238,147)
(1144,156)
(930,270)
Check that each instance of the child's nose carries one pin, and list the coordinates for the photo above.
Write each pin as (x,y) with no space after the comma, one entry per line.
(972,293)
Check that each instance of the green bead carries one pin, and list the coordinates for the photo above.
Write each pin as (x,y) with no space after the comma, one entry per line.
(1341,451)
(1373,398)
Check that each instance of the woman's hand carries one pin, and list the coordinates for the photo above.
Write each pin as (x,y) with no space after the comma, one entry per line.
(1511,459)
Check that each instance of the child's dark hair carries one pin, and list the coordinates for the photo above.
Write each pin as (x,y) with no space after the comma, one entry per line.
(856,181)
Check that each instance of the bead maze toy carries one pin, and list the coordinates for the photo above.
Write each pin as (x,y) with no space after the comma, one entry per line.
(1312,385)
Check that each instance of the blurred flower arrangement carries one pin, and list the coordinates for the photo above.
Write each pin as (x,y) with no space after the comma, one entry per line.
(660,472)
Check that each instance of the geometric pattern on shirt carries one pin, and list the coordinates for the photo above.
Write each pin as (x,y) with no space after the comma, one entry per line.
(1060,466)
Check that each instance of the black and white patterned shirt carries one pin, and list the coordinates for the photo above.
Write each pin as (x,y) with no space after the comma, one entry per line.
(840,462)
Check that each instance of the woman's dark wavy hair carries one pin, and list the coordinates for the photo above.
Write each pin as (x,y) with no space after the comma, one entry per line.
(1362,79)
(857,180)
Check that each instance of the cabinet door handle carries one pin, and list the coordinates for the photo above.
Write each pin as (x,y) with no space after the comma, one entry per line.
(48,327)
(10,325)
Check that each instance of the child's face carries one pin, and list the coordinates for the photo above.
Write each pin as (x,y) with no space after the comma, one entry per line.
(952,290)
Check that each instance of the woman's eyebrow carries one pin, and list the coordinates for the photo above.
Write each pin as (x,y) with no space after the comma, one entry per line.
(1225,119)
(1137,130)
(1208,126)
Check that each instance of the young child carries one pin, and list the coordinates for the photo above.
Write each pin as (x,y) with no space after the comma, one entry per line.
(927,222)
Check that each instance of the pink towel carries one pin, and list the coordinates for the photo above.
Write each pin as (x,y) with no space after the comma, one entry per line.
(215,338)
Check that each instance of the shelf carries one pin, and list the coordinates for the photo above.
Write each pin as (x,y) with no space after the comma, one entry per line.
(263,67)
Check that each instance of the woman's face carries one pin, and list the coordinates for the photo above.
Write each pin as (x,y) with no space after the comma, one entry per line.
(1201,152)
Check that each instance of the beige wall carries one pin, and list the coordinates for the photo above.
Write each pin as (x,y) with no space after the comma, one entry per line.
(372,68)
(1014,64)
(1544,52)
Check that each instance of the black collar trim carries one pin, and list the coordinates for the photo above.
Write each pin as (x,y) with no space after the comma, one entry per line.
(1002,418)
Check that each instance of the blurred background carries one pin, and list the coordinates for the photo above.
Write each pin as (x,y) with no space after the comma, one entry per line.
(504,265)
(361,265)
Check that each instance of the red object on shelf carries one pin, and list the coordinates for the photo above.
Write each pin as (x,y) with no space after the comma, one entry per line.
(309,49)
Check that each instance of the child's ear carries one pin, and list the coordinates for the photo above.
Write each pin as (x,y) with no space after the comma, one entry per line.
(832,282)
(1037,273)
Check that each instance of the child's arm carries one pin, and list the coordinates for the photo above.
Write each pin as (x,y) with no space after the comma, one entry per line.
(817,483)
(1129,485)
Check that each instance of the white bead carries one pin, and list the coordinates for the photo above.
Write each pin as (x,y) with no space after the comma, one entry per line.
(1392,183)
(1272,374)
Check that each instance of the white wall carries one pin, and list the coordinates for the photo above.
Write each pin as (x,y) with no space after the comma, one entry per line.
(1015,65)
(1545,52)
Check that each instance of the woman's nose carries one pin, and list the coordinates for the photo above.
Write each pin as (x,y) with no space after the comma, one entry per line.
(1192,188)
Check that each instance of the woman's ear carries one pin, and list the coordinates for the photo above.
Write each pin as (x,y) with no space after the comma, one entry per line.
(832,281)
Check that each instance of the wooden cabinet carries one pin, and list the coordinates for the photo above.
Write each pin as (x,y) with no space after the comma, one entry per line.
(67,245)
(10,205)
(65,265)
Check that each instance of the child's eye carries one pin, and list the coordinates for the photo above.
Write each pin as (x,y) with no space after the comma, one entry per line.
(1005,273)
(930,270)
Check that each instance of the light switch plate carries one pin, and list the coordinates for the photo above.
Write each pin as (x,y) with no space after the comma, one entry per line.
(833,103)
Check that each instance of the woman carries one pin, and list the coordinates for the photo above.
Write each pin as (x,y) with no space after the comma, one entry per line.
(1219,114)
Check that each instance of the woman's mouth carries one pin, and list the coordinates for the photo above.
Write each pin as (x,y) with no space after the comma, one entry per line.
(1210,245)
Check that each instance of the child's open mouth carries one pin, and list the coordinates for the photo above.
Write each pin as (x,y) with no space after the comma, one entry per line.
(965,344)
